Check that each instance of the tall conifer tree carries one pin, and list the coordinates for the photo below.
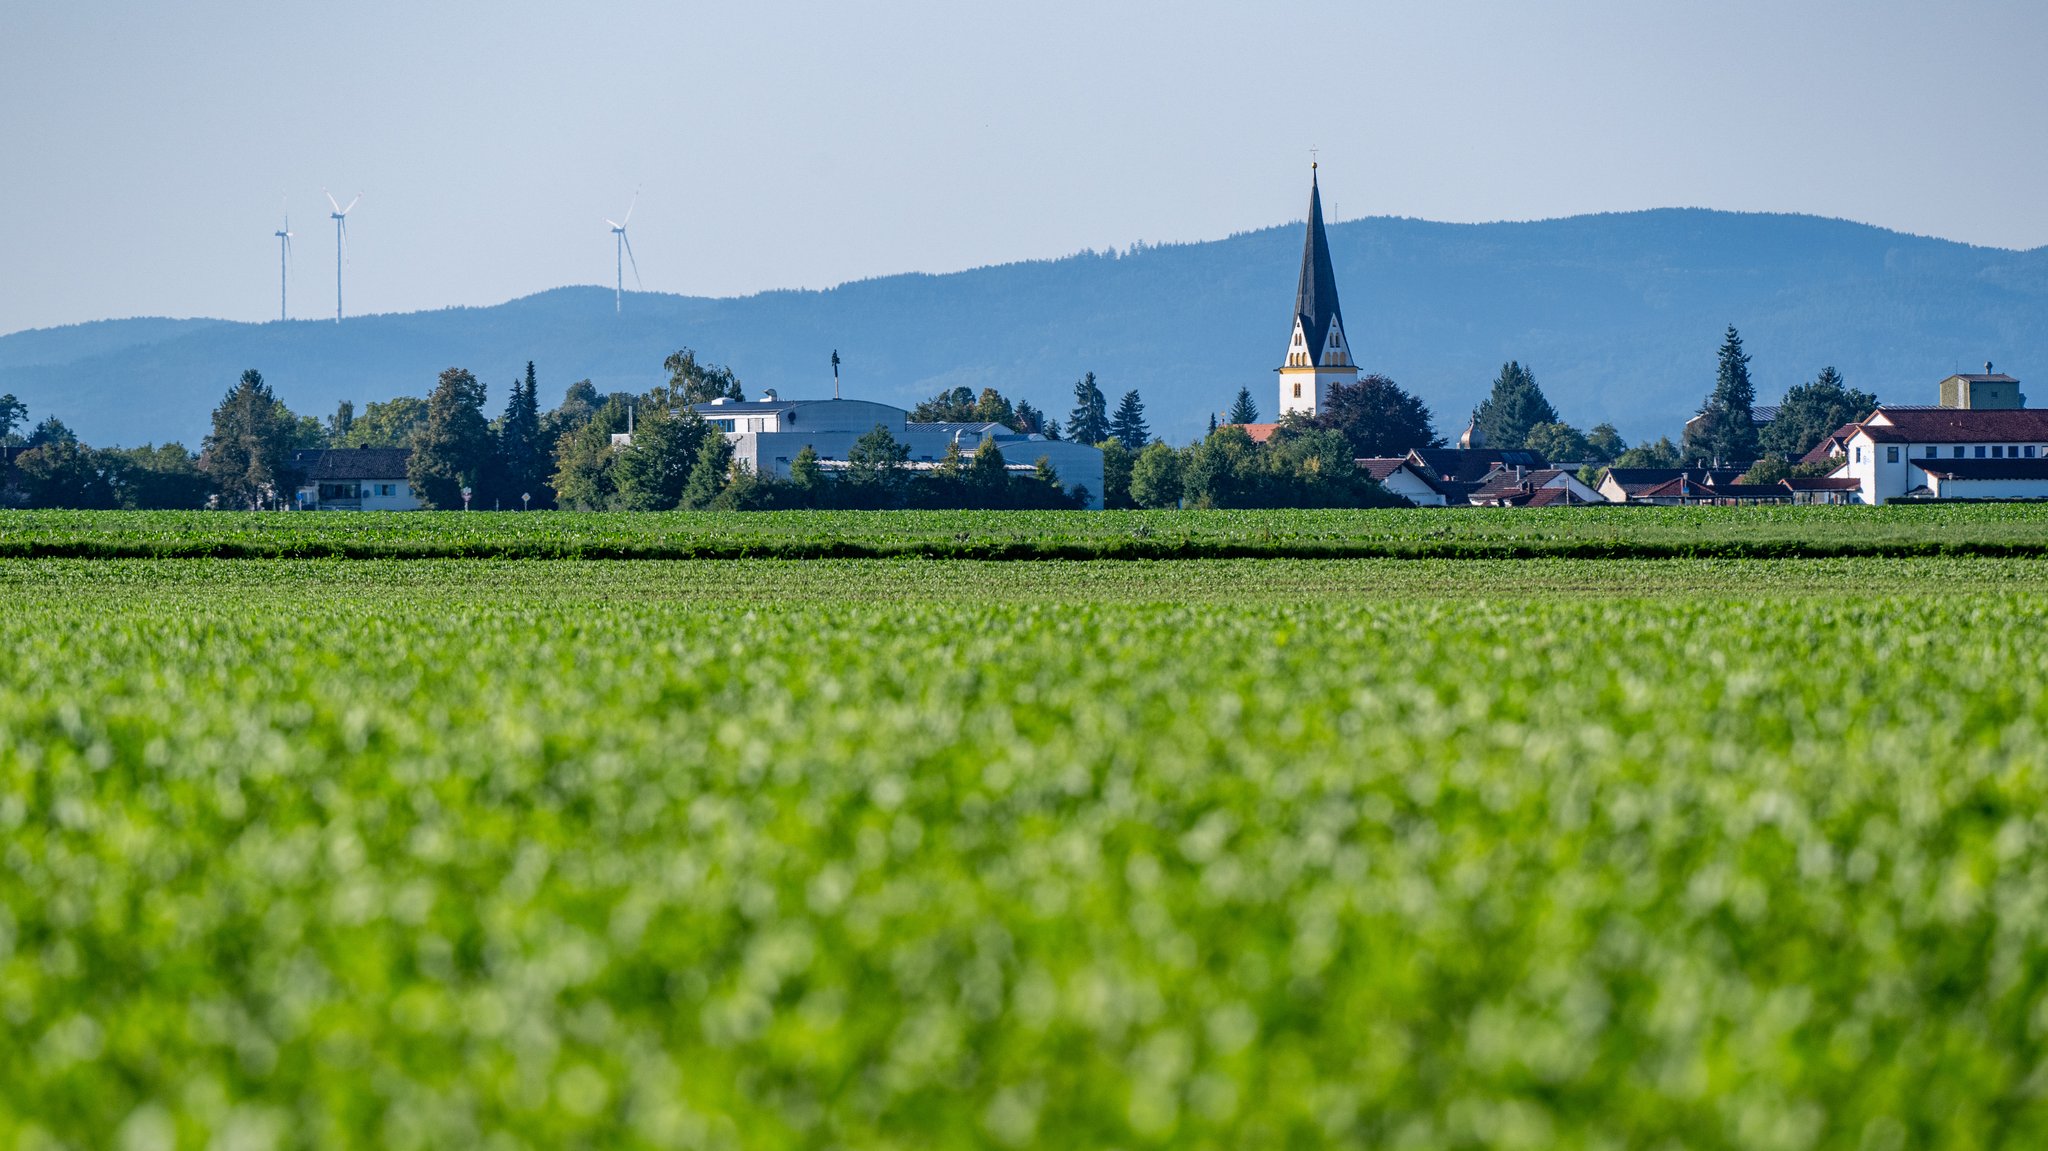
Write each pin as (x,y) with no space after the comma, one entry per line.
(1129,424)
(1727,434)
(1088,423)
(1243,411)
(1515,406)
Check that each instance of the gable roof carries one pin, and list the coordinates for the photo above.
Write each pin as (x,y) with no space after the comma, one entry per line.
(1821,483)
(1381,467)
(1315,297)
(1470,465)
(339,464)
(1955,425)
(1259,433)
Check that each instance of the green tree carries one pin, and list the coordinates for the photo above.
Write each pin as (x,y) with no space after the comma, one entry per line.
(584,459)
(13,414)
(697,382)
(1116,473)
(51,431)
(1088,423)
(247,455)
(1043,489)
(876,475)
(1032,422)
(806,479)
(63,473)
(1727,430)
(580,404)
(1559,442)
(454,449)
(1128,427)
(1515,406)
(1222,471)
(1243,411)
(1766,472)
(650,474)
(712,470)
(339,423)
(523,464)
(1662,454)
(1812,410)
(952,406)
(1155,477)
(151,477)
(1314,467)
(1606,442)
(1377,418)
(988,476)
(395,423)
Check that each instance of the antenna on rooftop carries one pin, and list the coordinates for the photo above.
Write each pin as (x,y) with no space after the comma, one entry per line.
(340,218)
(622,251)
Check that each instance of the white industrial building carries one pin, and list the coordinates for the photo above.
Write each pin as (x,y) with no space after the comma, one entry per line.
(769,434)
(1948,453)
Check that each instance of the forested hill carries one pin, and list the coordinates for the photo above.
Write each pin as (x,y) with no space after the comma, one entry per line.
(1619,315)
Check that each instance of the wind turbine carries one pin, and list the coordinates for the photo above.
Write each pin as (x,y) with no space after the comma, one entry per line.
(623,251)
(284,260)
(340,218)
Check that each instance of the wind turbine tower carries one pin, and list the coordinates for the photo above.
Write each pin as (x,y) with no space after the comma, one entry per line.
(623,251)
(340,218)
(284,260)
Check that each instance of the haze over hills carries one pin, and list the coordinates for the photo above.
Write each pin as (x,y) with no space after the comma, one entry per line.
(1618,314)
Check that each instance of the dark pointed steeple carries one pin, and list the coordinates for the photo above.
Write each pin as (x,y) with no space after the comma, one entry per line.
(1315,301)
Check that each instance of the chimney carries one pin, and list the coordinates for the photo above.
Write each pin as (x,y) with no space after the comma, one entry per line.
(1987,367)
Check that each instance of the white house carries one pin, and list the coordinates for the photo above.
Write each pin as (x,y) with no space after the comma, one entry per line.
(1950,453)
(354,480)
(769,434)
(1411,480)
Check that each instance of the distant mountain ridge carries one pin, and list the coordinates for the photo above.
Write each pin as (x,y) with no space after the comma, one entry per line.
(1618,314)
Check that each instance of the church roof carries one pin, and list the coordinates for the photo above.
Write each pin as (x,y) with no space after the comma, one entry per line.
(1315,300)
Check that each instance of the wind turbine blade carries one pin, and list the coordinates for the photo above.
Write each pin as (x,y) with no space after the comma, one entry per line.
(344,236)
(635,263)
(615,226)
(352,204)
(629,208)
(331,199)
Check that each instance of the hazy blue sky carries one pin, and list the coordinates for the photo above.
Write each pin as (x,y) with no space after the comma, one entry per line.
(145,148)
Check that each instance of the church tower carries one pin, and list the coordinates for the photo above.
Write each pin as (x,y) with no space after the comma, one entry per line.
(1319,353)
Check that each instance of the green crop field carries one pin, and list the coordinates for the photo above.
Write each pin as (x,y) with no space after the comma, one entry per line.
(1470,533)
(924,852)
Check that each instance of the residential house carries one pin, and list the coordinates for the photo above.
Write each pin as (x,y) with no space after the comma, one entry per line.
(354,480)
(1514,487)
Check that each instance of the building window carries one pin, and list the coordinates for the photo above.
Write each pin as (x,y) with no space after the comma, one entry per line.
(2030,451)
(1980,451)
(1859,455)
(1997,451)
(1297,391)
(1891,455)
(1931,451)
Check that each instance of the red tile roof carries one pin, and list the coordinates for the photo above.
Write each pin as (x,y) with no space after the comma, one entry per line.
(1259,433)
(1957,425)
